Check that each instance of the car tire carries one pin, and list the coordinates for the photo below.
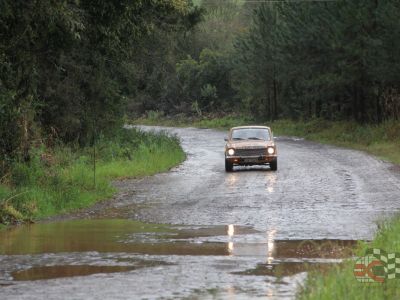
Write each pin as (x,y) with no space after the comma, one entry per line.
(228,166)
(274,164)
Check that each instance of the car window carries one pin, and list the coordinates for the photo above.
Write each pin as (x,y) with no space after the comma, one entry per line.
(251,134)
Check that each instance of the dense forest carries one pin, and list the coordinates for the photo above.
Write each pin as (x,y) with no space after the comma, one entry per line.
(70,68)
(74,68)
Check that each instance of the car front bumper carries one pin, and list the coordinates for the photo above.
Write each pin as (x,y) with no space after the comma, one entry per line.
(251,160)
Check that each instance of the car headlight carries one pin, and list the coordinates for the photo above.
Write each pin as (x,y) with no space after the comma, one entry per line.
(231,151)
(270,150)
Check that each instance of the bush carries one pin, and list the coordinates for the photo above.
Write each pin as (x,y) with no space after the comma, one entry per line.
(62,179)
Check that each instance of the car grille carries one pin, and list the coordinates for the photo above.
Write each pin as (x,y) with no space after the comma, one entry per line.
(250,152)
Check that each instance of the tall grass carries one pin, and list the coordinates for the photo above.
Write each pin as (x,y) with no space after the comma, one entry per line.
(212,121)
(224,122)
(62,179)
(382,140)
(340,282)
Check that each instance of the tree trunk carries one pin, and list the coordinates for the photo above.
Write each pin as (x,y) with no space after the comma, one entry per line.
(275,109)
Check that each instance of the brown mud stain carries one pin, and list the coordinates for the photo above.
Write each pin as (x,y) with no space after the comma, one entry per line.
(284,269)
(3,284)
(395,168)
(210,231)
(314,248)
(325,249)
(52,272)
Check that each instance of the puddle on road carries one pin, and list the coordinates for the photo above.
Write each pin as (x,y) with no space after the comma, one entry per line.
(60,271)
(52,272)
(73,236)
(283,269)
(135,238)
(113,235)
(211,231)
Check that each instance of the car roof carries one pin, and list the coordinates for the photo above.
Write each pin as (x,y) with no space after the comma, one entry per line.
(252,126)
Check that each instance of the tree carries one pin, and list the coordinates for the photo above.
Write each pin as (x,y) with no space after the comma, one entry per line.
(320,59)
(66,66)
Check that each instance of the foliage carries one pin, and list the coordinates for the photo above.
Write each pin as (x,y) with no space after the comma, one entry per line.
(222,22)
(152,75)
(206,81)
(381,139)
(340,282)
(224,122)
(61,179)
(66,67)
(333,60)
(189,71)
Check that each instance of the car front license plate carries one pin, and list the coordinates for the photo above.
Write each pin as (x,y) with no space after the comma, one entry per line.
(250,160)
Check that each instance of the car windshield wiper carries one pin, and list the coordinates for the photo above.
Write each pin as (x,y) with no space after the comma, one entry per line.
(255,138)
(237,139)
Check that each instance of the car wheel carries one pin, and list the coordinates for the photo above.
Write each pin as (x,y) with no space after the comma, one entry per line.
(228,166)
(274,164)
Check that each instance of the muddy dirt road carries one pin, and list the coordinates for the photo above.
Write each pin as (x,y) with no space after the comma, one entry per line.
(233,235)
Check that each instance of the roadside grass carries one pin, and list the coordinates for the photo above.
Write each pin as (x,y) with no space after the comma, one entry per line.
(381,140)
(217,122)
(340,282)
(61,179)
(223,123)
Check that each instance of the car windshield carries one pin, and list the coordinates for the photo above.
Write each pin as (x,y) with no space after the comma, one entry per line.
(251,134)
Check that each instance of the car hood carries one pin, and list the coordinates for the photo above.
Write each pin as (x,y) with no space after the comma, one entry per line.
(249,144)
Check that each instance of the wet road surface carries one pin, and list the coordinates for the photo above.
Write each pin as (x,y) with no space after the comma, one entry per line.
(252,233)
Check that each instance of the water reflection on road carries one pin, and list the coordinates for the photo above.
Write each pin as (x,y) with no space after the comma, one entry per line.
(233,254)
(270,245)
(251,233)
(232,181)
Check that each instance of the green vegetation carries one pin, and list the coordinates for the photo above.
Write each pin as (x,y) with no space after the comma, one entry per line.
(69,71)
(286,60)
(331,60)
(194,77)
(72,70)
(382,140)
(61,179)
(224,123)
(340,282)
(217,122)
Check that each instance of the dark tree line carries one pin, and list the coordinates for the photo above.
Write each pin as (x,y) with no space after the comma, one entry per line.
(334,60)
(201,81)
(70,67)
